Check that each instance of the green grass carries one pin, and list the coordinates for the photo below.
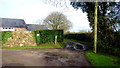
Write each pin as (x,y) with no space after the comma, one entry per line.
(48,45)
(102,60)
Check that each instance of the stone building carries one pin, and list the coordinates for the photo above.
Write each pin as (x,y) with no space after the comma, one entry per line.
(31,27)
(7,24)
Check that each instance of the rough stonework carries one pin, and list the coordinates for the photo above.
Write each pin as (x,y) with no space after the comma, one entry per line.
(20,29)
(21,38)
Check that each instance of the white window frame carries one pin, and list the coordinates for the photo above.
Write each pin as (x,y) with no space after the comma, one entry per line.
(7,29)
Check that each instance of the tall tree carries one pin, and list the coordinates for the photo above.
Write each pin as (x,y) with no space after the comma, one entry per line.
(106,11)
(57,20)
(108,17)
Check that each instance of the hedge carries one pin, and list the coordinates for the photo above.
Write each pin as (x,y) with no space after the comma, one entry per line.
(81,37)
(111,46)
(46,36)
(4,36)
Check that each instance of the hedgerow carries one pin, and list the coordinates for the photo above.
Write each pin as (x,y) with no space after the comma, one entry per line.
(45,36)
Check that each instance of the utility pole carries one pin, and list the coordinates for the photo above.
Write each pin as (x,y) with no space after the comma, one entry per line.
(95,26)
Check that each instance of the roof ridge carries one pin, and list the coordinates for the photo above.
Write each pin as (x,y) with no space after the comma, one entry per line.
(11,18)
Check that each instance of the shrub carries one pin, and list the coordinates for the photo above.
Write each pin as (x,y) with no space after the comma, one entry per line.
(109,44)
(46,36)
(5,35)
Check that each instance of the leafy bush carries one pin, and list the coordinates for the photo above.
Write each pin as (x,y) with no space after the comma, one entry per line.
(109,44)
(5,35)
(46,36)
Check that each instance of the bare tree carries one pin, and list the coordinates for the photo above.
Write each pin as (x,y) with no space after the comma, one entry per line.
(57,20)
(62,4)
(56,3)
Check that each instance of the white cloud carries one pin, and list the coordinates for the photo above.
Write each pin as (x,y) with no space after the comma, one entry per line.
(78,19)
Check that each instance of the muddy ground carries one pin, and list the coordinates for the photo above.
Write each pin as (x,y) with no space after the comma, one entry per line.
(43,57)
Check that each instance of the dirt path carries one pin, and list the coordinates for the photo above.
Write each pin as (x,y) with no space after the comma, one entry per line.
(43,57)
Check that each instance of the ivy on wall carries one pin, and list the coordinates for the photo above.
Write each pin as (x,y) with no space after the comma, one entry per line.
(4,35)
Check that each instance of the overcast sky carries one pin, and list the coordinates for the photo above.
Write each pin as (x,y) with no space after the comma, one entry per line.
(33,11)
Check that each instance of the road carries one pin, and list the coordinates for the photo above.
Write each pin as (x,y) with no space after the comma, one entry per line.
(43,57)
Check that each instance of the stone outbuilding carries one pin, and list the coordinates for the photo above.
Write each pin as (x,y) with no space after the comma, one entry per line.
(31,27)
(7,24)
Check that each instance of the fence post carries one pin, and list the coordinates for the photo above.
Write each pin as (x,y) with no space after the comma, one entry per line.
(55,39)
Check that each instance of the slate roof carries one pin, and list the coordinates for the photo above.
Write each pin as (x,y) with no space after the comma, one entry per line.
(8,22)
(31,27)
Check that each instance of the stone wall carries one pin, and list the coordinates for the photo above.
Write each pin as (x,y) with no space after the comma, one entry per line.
(0,28)
(21,38)
(20,29)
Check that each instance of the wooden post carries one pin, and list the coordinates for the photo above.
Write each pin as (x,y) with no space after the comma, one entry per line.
(95,26)
(55,39)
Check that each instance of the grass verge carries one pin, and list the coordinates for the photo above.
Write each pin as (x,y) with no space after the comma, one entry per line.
(102,60)
(48,45)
